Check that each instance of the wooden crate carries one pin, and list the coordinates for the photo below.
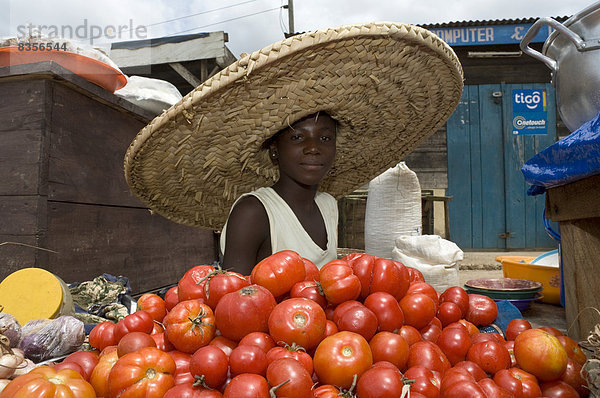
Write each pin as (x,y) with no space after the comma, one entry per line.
(577,207)
(62,186)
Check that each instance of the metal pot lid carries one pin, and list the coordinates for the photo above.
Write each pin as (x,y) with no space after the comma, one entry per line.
(503,284)
(572,20)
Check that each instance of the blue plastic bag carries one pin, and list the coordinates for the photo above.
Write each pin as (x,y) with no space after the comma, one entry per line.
(574,157)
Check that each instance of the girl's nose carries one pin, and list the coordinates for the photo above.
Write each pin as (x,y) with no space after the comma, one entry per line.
(312,146)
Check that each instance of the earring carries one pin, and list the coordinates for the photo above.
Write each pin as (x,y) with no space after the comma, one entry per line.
(273,155)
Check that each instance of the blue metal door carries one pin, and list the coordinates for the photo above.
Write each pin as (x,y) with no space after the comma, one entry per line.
(490,208)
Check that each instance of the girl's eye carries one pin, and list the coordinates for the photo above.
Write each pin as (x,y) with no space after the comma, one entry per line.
(325,138)
(296,137)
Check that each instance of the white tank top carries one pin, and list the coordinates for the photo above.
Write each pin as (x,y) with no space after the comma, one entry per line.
(286,231)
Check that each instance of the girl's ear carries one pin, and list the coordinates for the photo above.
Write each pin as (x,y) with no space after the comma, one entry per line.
(273,155)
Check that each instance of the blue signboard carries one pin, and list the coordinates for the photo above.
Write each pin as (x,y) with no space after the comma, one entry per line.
(529,112)
(489,35)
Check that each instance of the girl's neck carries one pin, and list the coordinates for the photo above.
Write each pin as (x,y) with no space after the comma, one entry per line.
(296,195)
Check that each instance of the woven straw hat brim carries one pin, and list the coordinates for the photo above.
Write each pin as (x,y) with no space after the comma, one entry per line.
(389,86)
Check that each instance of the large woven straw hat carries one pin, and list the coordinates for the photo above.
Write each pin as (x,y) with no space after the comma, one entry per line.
(388,85)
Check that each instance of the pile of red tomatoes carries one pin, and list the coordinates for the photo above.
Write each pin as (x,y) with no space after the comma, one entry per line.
(361,326)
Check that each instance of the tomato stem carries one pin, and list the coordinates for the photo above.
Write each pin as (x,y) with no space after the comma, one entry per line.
(274,389)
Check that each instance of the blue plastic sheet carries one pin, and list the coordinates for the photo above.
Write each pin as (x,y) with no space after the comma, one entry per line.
(574,157)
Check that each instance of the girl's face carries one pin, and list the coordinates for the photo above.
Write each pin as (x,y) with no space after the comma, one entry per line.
(306,151)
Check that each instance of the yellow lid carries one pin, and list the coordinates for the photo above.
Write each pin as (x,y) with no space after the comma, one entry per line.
(31,293)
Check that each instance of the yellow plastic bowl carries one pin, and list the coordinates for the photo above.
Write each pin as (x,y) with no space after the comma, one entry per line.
(519,267)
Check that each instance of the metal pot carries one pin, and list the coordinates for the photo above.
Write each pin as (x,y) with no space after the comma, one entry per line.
(570,53)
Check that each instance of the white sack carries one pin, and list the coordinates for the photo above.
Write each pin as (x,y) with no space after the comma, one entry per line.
(393,209)
(154,95)
(436,258)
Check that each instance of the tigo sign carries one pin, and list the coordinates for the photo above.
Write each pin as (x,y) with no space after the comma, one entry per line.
(529,112)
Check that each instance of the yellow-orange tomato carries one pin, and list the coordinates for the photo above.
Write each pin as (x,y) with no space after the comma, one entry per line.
(46,382)
(541,354)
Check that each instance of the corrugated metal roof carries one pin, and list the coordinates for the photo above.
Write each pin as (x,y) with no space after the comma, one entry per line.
(487,22)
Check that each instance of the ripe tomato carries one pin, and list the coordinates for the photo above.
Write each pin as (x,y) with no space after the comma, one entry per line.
(493,336)
(245,311)
(260,339)
(310,290)
(153,304)
(45,381)
(289,378)
(210,364)
(338,282)
(182,367)
(515,327)
(414,275)
(279,272)
(418,309)
(171,297)
(326,391)
(162,343)
(378,274)
(510,346)
(573,349)
(224,344)
(133,341)
(247,359)
(380,382)
(518,382)
(482,310)
(448,312)
(454,343)
(428,355)
(355,317)
(474,369)
(426,289)
(139,321)
(341,356)
(103,335)
(491,356)
(553,331)
(492,389)
(458,296)
(218,283)
(191,285)
(541,354)
(87,360)
(410,334)
(247,385)
(190,325)
(298,320)
(189,390)
(391,347)
(390,317)
(426,382)
(148,371)
(573,377)
(70,365)
(472,329)
(291,351)
(558,389)
(431,332)
(330,328)
(312,271)
(99,376)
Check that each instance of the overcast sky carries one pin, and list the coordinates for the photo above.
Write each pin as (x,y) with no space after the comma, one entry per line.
(253,24)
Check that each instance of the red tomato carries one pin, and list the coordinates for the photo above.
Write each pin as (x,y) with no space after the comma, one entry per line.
(298,320)
(153,304)
(338,282)
(469,389)
(482,310)
(279,272)
(449,312)
(573,349)
(190,325)
(414,275)
(224,344)
(294,352)
(46,381)
(573,377)
(390,317)
(391,347)
(518,382)
(510,346)
(310,290)
(426,382)
(70,365)
(491,356)
(245,311)
(312,271)
(493,336)
(247,359)
(326,391)
(139,321)
(330,328)
(458,296)
(157,328)
(148,371)
(541,354)
(410,334)
(189,390)
(171,297)
(260,339)
(418,309)
(378,274)
(380,382)
(99,376)
(553,331)
(492,389)
(210,364)
(87,360)
(515,327)
(454,343)
(474,369)
(133,341)
(428,355)
(103,335)
(182,367)
(431,332)
(218,283)
(354,317)
(162,343)
(247,385)
(341,356)
(558,389)
(472,329)
(426,289)
(191,285)
(289,378)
